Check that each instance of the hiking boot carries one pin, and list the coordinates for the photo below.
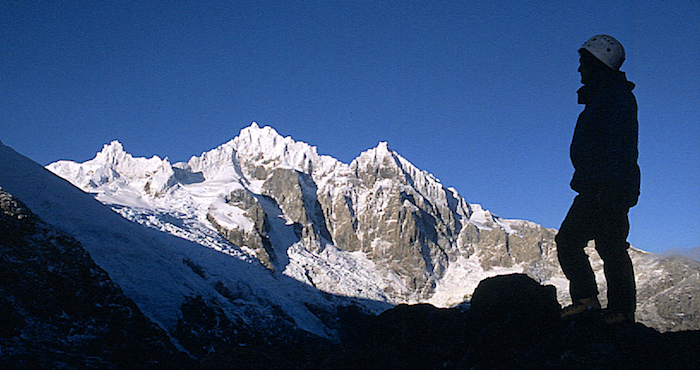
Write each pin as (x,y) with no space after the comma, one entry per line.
(613,318)
(582,305)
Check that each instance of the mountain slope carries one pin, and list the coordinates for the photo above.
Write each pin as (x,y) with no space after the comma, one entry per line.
(61,310)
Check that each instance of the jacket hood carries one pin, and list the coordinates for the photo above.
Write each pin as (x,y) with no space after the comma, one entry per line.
(614,80)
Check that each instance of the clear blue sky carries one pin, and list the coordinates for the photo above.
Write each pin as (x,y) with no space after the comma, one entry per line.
(480,93)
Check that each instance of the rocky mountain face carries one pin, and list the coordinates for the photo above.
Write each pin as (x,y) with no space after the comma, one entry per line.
(378,228)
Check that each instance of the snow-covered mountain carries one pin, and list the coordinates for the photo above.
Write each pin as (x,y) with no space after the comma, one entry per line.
(378,229)
(367,229)
(163,272)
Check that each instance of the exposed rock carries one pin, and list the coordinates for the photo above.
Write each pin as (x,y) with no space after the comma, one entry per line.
(515,298)
(341,220)
(670,293)
(295,193)
(60,310)
(255,239)
(412,227)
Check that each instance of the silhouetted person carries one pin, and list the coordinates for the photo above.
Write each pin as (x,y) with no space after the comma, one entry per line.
(606,178)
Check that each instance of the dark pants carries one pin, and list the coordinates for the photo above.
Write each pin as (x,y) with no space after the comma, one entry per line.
(591,219)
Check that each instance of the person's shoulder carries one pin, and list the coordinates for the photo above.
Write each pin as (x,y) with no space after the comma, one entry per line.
(617,92)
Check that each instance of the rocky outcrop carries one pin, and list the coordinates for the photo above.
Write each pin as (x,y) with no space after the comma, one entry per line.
(376,208)
(669,292)
(254,238)
(413,228)
(295,194)
(403,219)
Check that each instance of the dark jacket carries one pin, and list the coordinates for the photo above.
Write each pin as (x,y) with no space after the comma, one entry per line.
(604,147)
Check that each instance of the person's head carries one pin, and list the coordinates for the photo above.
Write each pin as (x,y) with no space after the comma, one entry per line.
(601,55)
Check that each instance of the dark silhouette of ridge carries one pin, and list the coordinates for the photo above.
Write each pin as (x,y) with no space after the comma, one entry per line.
(513,323)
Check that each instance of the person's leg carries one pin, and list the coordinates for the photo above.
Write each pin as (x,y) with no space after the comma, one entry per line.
(612,246)
(573,235)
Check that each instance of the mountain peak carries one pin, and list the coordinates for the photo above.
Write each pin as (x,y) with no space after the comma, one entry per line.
(114,165)
(115,145)
(383,147)
(381,150)
(254,131)
(374,155)
(266,148)
(113,153)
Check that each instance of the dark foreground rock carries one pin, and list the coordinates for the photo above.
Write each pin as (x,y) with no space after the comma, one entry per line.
(513,323)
